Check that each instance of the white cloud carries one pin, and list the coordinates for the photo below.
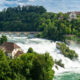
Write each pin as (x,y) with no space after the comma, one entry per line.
(32,0)
(51,5)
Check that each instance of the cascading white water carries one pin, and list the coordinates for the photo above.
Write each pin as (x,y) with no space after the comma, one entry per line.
(43,45)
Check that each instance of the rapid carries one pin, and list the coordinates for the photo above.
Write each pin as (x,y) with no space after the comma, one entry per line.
(72,67)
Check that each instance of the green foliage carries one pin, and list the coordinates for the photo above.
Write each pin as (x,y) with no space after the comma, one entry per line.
(66,51)
(56,26)
(24,18)
(52,25)
(5,70)
(27,67)
(73,38)
(42,67)
(30,50)
(59,63)
(2,56)
(3,39)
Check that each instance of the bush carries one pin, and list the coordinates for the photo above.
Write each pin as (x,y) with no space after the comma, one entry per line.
(59,63)
(66,51)
(3,39)
(30,50)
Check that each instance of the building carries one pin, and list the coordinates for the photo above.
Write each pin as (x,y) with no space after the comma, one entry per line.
(73,15)
(11,49)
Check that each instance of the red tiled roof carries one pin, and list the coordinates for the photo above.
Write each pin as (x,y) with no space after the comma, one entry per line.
(9,46)
(77,13)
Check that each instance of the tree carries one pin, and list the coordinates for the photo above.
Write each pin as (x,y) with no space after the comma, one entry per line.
(5,70)
(12,19)
(2,56)
(42,67)
(30,50)
(27,67)
(3,39)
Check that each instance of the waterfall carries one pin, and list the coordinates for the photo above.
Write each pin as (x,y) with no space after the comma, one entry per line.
(42,45)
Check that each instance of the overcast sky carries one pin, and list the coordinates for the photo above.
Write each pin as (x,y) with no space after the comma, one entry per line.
(50,5)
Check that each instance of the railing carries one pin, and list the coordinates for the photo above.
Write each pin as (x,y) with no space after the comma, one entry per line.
(18,33)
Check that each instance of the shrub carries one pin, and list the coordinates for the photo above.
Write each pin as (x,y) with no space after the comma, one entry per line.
(3,39)
(30,50)
(59,63)
(66,51)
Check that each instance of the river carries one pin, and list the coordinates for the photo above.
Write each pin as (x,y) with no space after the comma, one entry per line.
(72,68)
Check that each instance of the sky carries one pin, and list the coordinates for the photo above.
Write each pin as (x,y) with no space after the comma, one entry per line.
(50,5)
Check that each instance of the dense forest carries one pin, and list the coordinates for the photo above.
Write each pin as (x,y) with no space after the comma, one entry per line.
(56,26)
(36,18)
(24,18)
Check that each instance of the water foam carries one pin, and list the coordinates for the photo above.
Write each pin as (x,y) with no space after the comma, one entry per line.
(43,45)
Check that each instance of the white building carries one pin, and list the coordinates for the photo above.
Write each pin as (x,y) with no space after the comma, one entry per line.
(11,49)
(73,15)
